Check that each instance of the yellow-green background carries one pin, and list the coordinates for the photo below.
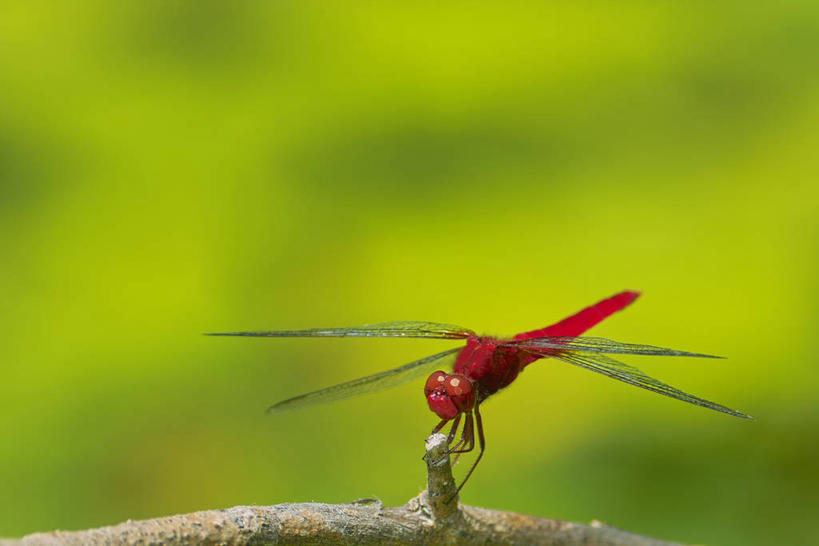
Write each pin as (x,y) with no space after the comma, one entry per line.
(172,168)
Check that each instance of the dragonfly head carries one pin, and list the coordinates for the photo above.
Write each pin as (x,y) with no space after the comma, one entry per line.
(449,394)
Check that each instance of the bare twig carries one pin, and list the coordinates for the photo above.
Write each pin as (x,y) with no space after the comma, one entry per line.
(425,519)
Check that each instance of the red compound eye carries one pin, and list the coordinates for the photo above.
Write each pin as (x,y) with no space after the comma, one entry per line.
(434,382)
(448,395)
(459,389)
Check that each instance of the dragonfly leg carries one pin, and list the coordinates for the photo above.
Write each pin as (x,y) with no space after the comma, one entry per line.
(451,435)
(482,444)
(439,426)
(454,429)
(464,434)
(467,441)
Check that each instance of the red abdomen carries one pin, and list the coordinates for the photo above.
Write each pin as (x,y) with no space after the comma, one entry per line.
(492,365)
(585,319)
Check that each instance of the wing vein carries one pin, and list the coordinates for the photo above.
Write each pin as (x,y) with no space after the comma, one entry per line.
(367,384)
(629,374)
(599,345)
(408,329)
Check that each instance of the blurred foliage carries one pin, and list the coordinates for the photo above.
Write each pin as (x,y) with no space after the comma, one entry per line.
(171,168)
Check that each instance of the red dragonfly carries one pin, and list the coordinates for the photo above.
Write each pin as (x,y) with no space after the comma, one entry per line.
(486,364)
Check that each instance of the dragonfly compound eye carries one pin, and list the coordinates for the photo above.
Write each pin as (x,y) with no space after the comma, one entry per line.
(438,398)
(435,382)
(459,389)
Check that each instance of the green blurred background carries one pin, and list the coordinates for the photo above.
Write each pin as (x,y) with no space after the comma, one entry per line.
(172,168)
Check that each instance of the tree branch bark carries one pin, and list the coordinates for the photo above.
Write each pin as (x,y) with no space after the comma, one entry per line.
(426,519)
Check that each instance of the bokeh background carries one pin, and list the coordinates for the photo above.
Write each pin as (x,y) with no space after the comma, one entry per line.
(173,168)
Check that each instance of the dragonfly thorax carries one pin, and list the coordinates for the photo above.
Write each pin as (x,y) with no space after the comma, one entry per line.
(449,394)
(490,363)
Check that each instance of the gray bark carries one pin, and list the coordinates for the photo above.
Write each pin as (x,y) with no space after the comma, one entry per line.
(426,519)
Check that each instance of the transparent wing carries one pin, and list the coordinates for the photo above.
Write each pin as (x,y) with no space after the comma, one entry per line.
(598,345)
(629,374)
(370,383)
(413,329)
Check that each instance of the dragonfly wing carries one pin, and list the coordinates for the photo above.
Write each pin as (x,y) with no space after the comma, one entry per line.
(370,383)
(598,345)
(413,329)
(629,374)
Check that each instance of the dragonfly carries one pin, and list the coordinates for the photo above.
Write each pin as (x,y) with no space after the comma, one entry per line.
(486,364)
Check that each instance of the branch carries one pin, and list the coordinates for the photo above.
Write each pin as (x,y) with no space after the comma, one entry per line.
(425,519)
